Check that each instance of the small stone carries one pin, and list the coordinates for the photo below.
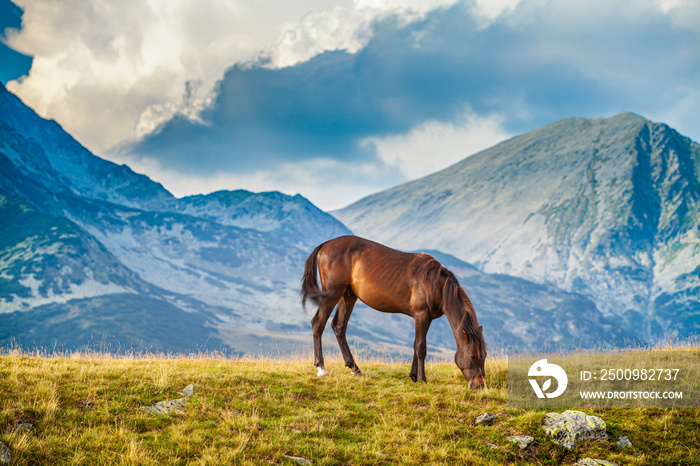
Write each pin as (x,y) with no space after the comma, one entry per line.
(624,442)
(570,428)
(523,441)
(25,426)
(298,459)
(5,454)
(166,407)
(485,418)
(188,391)
(593,462)
(492,446)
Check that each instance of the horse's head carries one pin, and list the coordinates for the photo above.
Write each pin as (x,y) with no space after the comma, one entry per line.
(470,357)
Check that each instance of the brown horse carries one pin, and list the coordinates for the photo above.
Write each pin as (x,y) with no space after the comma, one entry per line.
(390,281)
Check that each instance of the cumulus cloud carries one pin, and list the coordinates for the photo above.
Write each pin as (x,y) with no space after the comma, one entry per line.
(346,28)
(435,145)
(531,66)
(110,71)
(239,92)
(114,71)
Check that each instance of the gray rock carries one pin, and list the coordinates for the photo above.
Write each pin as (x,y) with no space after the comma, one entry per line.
(24,426)
(492,446)
(298,459)
(5,454)
(188,391)
(523,441)
(593,462)
(624,442)
(167,407)
(485,418)
(570,428)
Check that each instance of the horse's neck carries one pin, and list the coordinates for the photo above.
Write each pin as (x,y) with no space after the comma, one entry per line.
(456,317)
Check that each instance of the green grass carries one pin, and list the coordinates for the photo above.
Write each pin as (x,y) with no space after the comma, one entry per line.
(86,409)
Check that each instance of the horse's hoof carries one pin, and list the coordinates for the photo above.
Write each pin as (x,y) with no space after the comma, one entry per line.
(322,372)
(357,373)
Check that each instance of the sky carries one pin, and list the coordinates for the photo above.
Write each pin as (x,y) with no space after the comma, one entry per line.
(337,99)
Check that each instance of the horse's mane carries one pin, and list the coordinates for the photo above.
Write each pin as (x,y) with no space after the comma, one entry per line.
(446,292)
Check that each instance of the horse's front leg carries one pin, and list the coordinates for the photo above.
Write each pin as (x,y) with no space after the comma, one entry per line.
(420,347)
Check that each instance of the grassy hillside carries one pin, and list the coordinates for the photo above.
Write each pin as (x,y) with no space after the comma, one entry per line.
(86,409)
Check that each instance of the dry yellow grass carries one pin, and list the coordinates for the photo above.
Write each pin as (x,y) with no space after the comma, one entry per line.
(86,409)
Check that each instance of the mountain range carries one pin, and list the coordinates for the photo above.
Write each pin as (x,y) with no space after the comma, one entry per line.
(93,254)
(607,208)
(94,247)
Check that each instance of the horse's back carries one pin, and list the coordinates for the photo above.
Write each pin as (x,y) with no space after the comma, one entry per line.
(380,276)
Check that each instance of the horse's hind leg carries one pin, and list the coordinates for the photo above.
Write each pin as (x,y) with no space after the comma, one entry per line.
(318,324)
(340,325)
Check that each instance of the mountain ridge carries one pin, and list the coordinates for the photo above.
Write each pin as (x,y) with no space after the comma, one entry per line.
(124,222)
(223,266)
(72,165)
(604,207)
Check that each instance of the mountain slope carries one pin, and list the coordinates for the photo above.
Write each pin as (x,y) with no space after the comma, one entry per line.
(608,208)
(46,258)
(71,290)
(89,248)
(42,150)
(519,314)
(79,231)
(292,217)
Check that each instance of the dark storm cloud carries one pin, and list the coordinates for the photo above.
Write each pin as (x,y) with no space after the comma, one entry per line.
(542,62)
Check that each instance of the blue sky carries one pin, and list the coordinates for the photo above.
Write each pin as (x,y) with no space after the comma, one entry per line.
(336,100)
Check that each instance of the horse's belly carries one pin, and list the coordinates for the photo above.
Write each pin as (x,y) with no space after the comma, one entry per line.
(387,307)
(381,300)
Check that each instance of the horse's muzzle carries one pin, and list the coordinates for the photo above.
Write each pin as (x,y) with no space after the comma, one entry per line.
(476,384)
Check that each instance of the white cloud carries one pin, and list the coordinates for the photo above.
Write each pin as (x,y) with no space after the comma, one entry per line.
(435,145)
(309,178)
(112,71)
(427,148)
(346,27)
(684,13)
(492,9)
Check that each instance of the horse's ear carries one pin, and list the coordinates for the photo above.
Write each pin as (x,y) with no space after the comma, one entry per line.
(481,329)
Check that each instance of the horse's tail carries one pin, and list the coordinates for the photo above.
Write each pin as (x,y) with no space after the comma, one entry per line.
(309,282)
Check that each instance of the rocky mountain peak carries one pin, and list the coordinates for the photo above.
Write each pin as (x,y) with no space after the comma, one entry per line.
(43,150)
(606,207)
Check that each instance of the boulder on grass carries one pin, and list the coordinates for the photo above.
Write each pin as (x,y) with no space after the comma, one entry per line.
(5,454)
(485,418)
(593,462)
(523,441)
(570,428)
